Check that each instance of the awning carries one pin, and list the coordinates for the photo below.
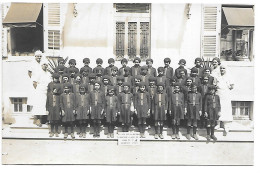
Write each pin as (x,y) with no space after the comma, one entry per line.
(22,15)
(239,17)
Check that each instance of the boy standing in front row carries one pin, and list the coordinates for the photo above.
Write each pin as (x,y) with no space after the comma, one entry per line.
(212,108)
(68,108)
(194,111)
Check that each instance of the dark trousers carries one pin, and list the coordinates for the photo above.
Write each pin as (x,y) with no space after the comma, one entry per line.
(82,124)
(67,125)
(158,126)
(141,124)
(96,126)
(54,126)
(110,127)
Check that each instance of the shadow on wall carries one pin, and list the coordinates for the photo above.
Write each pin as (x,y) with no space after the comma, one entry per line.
(89,28)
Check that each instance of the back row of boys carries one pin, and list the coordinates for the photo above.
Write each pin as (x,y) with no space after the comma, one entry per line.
(79,95)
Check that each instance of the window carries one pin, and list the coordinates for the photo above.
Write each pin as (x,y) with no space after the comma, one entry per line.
(19,105)
(237,30)
(132,31)
(241,110)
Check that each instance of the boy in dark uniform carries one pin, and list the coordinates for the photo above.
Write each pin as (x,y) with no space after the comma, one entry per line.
(194,76)
(53,109)
(161,77)
(119,86)
(91,83)
(97,102)
(65,79)
(99,68)
(72,73)
(86,67)
(206,72)
(72,66)
(152,89)
(99,74)
(182,63)
(68,108)
(169,91)
(82,109)
(151,71)
(55,83)
(177,108)
(105,84)
(76,84)
(168,71)
(135,70)
(142,108)
(198,66)
(127,76)
(125,101)
(113,77)
(111,110)
(187,87)
(212,108)
(194,111)
(84,75)
(121,71)
(144,76)
(182,77)
(160,102)
(108,69)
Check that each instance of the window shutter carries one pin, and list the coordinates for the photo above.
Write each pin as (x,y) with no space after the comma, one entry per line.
(4,32)
(210,37)
(52,29)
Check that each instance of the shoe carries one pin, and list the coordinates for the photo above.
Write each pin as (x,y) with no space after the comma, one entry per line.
(66,135)
(161,136)
(208,137)
(72,136)
(173,136)
(195,136)
(112,135)
(94,135)
(56,134)
(217,127)
(177,136)
(98,135)
(84,135)
(188,136)
(214,137)
(108,135)
(156,136)
(51,134)
(80,135)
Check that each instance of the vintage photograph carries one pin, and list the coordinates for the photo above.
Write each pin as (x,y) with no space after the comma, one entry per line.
(127,83)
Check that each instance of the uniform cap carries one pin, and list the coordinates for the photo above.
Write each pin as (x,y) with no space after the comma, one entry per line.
(126,84)
(86,60)
(55,75)
(124,60)
(160,84)
(167,60)
(194,70)
(152,78)
(110,60)
(182,61)
(144,68)
(137,59)
(149,60)
(198,59)
(127,69)
(160,69)
(72,61)
(99,61)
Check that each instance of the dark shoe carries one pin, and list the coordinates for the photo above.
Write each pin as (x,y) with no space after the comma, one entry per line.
(108,135)
(173,136)
(208,138)
(84,135)
(66,135)
(72,136)
(98,135)
(51,134)
(213,137)
(156,136)
(188,136)
(195,136)
(80,135)
(56,135)
(161,136)
(112,135)
(177,136)
(224,133)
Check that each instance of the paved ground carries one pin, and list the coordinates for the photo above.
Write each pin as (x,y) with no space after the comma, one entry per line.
(17,151)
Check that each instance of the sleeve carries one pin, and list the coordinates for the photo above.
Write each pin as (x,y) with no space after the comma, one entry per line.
(200,102)
(206,103)
(47,102)
(148,100)
(183,101)
(166,101)
(61,102)
(74,101)
(103,100)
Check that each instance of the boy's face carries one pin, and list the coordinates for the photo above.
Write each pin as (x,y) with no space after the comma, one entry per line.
(84,73)
(137,81)
(152,83)
(105,81)
(61,63)
(82,89)
(177,88)
(136,63)
(38,58)
(66,89)
(142,88)
(111,92)
(188,82)
(86,63)
(126,88)
(72,74)
(119,82)
(96,86)
(78,79)
(205,80)
(111,63)
(92,79)
(56,79)
(99,64)
(72,64)
(194,89)
(194,74)
(65,79)
(55,91)
(181,64)
(166,64)
(160,73)
(149,63)
(198,63)
(124,64)
(182,74)
(222,70)
(114,72)
(173,82)
(144,72)
(215,63)
(207,72)
(160,88)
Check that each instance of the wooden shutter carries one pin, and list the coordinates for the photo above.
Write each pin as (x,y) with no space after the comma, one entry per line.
(4,32)
(210,37)
(52,29)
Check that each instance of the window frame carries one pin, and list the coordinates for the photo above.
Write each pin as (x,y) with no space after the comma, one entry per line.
(238,105)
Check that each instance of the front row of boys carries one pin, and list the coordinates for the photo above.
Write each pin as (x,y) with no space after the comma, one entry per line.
(120,103)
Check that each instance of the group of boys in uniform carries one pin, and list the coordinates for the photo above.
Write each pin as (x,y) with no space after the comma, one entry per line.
(138,96)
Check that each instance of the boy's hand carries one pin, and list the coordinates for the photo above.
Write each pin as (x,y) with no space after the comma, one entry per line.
(74,112)
(118,113)
(47,112)
(219,114)
(170,112)
(62,113)
(200,113)
(206,114)
(88,112)
(185,110)
(135,111)
(132,108)
(102,111)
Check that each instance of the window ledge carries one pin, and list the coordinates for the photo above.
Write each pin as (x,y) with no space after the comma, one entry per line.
(19,58)
(239,63)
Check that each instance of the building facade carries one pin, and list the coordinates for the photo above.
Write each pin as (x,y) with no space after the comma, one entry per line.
(126,30)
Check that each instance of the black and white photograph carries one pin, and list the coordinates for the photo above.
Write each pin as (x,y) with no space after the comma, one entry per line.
(128,83)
